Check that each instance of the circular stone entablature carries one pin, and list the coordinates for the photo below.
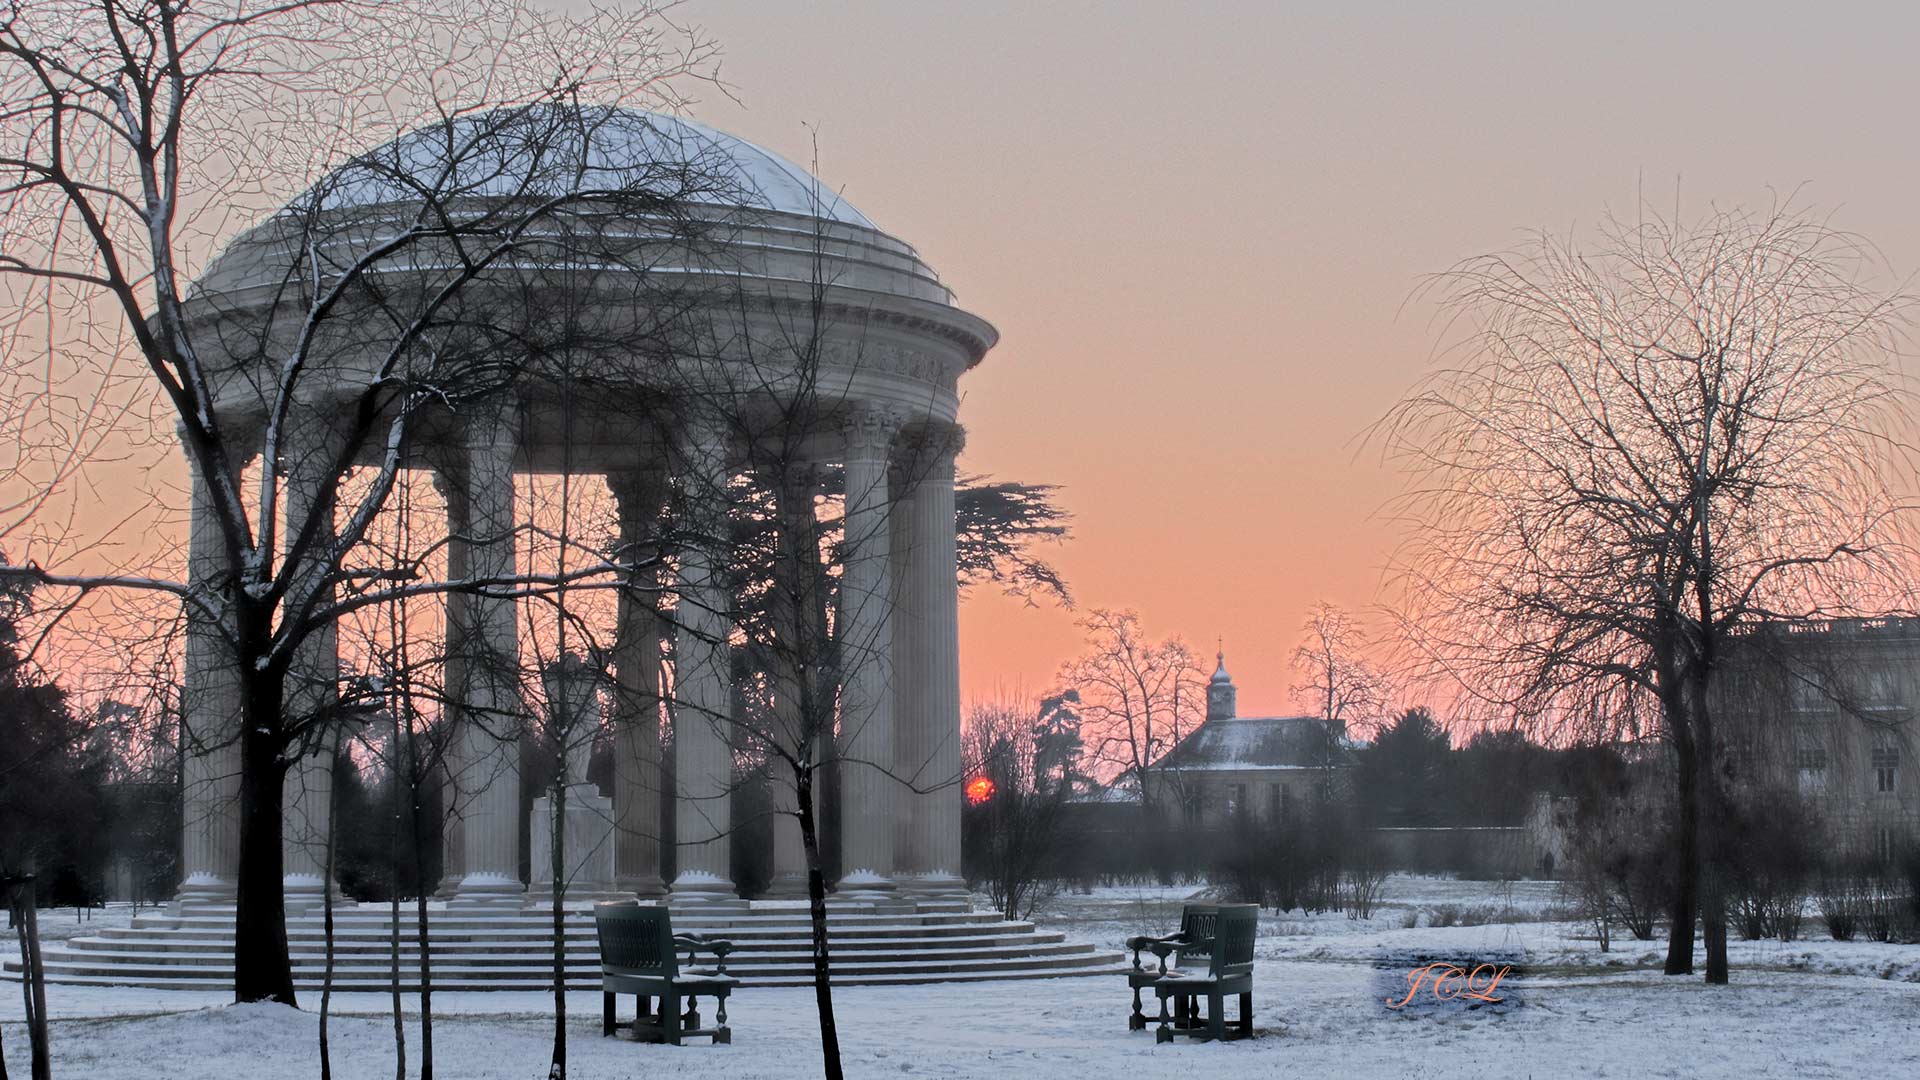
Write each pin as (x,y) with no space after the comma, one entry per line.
(630,253)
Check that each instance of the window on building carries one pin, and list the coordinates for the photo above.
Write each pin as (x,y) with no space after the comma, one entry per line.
(1236,798)
(1886,765)
(1275,801)
(1808,691)
(1812,756)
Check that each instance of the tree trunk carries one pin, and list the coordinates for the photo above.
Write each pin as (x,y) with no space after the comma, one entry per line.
(1686,870)
(398,816)
(422,933)
(817,917)
(557,815)
(262,969)
(326,900)
(33,980)
(1711,817)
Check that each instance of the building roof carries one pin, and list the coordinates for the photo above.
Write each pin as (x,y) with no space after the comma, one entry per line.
(493,154)
(1252,742)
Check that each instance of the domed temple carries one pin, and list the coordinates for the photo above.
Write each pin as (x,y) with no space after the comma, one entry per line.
(753,319)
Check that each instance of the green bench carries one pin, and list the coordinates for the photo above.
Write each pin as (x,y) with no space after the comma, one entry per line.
(640,955)
(1213,968)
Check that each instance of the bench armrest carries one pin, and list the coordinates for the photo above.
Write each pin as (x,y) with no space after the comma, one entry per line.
(699,943)
(1161,947)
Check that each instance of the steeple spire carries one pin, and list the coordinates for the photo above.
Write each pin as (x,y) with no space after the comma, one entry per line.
(1220,692)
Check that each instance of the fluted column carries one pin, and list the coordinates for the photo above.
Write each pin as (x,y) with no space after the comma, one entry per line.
(210,707)
(637,762)
(865,638)
(931,607)
(449,479)
(909,755)
(702,699)
(490,656)
(313,686)
(797,575)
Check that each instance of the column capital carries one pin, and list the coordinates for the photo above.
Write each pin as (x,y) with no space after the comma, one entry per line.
(930,445)
(869,430)
(489,424)
(638,492)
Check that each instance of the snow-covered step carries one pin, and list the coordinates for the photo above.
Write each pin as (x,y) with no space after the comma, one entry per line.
(513,949)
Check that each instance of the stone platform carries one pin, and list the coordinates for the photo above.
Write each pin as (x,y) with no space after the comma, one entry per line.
(512,949)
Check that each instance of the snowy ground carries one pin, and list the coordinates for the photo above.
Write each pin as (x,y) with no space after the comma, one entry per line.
(1812,1008)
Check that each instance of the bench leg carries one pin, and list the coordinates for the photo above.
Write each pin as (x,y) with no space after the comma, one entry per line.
(720,1010)
(1216,1015)
(606,1014)
(670,1019)
(1138,1021)
(1246,1014)
(1163,1034)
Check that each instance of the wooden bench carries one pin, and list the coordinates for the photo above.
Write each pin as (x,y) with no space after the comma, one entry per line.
(1213,967)
(640,955)
(1196,925)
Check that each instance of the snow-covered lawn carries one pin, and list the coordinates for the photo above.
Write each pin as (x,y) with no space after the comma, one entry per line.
(1811,1008)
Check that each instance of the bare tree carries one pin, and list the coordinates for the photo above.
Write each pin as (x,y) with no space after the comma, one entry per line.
(1640,449)
(1138,698)
(1337,680)
(1016,824)
(139,136)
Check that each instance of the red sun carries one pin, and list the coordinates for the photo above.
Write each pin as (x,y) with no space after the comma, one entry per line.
(979,790)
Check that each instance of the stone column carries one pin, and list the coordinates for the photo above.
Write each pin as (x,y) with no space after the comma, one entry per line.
(794,581)
(210,706)
(313,684)
(449,480)
(637,761)
(870,792)
(909,755)
(490,661)
(931,607)
(702,700)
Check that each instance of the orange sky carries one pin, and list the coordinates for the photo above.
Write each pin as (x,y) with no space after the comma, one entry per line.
(1196,225)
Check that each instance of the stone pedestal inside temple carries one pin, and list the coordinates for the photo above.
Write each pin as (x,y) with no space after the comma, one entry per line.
(586,847)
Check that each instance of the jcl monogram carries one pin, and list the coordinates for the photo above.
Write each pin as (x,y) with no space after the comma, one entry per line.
(1449,982)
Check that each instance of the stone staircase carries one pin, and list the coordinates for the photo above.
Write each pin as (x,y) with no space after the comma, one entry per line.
(513,949)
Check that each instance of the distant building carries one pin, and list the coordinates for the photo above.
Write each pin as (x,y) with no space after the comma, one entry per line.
(1265,766)
(1830,707)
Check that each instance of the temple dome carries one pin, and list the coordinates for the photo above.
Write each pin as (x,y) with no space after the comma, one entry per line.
(516,152)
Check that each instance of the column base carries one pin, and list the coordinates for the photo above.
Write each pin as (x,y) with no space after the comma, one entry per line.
(495,892)
(937,886)
(540,897)
(867,887)
(643,886)
(305,893)
(204,891)
(791,885)
(701,890)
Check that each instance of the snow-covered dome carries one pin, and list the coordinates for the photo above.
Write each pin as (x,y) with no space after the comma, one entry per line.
(554,149)
(1220,675)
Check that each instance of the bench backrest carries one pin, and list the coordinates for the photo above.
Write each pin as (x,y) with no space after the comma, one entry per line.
(1234,927)
(1196,925)
(635,940)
